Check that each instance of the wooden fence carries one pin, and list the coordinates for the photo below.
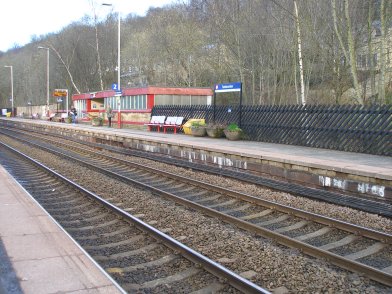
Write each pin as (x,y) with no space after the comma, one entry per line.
(353,128)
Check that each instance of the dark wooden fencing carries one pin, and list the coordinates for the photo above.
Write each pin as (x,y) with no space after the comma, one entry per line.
(351,128)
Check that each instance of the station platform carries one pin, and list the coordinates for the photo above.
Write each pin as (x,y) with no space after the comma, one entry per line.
(34,250)
(355,174)
(36,255)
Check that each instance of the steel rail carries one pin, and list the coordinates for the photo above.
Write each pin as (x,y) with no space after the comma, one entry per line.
(352,265)
(209,265)
(295,189)
(335,223)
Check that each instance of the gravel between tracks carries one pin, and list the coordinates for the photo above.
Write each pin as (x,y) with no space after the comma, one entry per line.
(275,266)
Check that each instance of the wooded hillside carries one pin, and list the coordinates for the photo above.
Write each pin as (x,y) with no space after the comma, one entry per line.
(284,51)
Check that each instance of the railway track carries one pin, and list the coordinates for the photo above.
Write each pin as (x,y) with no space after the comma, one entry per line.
(139,257)
(348,246)
(363,204)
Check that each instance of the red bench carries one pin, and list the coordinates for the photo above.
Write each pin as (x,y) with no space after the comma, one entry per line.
(156,121)
(63,117)
(173,122)
(51,116)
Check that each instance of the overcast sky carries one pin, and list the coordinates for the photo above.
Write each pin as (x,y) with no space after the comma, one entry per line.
(21,19)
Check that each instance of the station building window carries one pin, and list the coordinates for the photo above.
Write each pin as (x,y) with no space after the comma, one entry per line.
(111,101)
(134,102)
(80,105)
(180,100)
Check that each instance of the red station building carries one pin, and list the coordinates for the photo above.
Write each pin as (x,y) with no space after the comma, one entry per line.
(135,104)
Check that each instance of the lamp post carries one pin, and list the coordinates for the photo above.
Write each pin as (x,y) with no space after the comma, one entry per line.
(12,89)
(31,109)
(118,64)
(59,100)
(47,78)
(118,46)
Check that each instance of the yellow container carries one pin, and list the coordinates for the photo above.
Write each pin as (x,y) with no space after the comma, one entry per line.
(8,114)
(187,126)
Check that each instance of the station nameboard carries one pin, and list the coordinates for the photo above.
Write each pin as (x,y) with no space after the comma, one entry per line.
(60,93)
(233,87)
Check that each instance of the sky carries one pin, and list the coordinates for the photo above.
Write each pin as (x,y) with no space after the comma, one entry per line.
(22,19)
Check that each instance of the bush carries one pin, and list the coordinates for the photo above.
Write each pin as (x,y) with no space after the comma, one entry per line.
(97,121)
(215,130)
(197,124)
(233,128)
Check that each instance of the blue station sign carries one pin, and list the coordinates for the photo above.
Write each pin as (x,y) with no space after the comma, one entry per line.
(232,87)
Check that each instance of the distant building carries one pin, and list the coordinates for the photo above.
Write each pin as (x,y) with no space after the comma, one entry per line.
(135,104)
(368,64)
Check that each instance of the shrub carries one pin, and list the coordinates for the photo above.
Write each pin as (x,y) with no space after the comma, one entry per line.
(197,124)
(233,128)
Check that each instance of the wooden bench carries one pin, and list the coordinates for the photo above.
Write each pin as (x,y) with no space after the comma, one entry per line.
(51,116)
(63,117)
(156,121)
(173,122)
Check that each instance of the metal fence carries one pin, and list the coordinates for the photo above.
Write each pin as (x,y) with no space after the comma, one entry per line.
(353,128)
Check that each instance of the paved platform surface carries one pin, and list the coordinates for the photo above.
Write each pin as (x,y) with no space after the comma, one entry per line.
(348,162)
(36,255)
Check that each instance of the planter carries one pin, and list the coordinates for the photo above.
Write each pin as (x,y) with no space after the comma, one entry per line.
(198,131)
(187,126)
(97,122)
(214,132)
(233,135)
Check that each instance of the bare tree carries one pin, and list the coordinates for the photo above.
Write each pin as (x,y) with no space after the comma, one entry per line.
(301,70)
(349,52)
(370,48)
(284,51)
(382,55)
(66,66)
(97,44)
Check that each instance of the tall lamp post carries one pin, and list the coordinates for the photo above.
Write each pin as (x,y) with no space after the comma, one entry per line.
(12,89)
(118,46)
(118,62)
(31,109)
(47,78)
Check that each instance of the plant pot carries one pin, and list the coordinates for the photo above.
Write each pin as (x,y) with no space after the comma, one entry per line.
(215,132)
(198,131)
(96,122)
(233,135)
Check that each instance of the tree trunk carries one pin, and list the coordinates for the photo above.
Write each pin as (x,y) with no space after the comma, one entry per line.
(370,50)
(350,53)
(301,70)
(381,83)
(98,55)
(97,47)
(66,67)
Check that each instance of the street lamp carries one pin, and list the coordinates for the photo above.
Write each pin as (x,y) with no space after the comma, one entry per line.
(12,89)
(118,65)
(118,46)
(31,109)
(59,100)
(47,78)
